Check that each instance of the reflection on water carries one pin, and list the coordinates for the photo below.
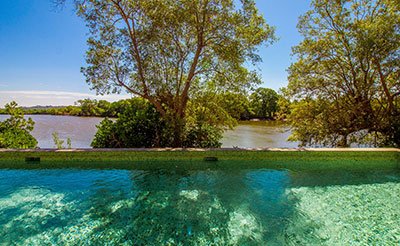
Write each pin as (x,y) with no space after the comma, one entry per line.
(208,207)
(258,134)
(81,131)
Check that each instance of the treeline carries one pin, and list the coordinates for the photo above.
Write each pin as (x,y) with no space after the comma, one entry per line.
(261,104)
(84,107)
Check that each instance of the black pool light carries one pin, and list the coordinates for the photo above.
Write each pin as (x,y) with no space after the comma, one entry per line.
(210,158)
(32,159)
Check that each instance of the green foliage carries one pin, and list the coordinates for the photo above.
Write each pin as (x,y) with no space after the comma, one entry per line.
(140,125)
(89,107)
(310,118)
(345,84)
(15,131)
(59,143)
(206,121)
(85,107)
(163,51)
(264,103)
(237,105)
(69,143)
(203,136)
(106,135)
(284,106)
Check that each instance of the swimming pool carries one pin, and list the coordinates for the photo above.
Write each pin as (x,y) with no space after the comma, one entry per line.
(200,205)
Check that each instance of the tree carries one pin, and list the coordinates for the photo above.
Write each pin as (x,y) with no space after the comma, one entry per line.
(15,131)
(164,50)
(346,82)
(284,105)
(207,118)
(89,107)
(237,105)
(104,107)
(140,125)
(264,103)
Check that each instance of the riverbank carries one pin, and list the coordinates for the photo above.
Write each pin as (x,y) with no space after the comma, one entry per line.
(294,159)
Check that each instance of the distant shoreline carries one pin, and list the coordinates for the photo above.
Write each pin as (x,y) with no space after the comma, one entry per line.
(254,121)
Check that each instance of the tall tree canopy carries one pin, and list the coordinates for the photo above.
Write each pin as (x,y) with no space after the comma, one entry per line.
(347,78)
(264,103)
(165,50)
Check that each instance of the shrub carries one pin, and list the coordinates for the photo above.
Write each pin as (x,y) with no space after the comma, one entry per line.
(15,131)
(140,126)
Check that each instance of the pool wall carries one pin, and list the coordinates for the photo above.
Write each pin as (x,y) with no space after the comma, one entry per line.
(195,158)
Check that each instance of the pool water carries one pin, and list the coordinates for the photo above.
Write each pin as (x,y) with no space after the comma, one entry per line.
(204,207)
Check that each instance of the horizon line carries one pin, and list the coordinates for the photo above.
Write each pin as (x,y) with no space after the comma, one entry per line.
(29,98)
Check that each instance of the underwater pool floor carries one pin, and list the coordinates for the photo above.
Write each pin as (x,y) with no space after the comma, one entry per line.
(203,207)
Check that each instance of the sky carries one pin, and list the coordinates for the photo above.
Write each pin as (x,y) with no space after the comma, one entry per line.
(43,49)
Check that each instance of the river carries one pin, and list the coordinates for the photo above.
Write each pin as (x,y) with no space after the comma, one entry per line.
(81,131)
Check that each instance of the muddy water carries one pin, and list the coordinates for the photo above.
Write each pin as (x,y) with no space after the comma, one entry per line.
(258,134)
(81,131)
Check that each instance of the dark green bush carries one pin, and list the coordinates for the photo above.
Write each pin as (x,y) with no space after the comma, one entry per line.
(139,125)
(203,136)
(15,131)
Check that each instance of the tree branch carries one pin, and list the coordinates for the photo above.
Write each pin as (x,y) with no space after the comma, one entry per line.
(132,35)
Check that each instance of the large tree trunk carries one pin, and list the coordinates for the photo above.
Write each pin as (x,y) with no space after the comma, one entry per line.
(175,120)
(178,135)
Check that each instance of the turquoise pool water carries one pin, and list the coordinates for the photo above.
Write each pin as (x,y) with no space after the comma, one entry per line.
(203,207)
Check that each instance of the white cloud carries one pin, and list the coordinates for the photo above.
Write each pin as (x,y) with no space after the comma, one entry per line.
(55,98)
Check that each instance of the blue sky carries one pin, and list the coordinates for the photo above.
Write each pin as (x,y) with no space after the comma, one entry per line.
(42,50)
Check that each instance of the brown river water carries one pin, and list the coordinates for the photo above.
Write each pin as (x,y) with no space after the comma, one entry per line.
(81,131)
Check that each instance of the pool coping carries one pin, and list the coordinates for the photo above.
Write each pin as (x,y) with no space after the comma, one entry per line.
(175,158)
(205,150)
